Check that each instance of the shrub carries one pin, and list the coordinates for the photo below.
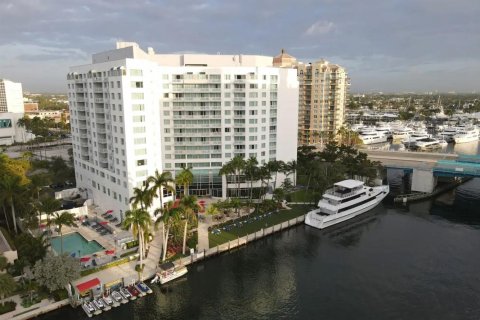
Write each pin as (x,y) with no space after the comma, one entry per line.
(7,306)
(132,244)
(60,294)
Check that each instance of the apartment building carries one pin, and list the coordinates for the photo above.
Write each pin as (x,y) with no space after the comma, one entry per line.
(323,91)
(134,112)
(11,109)
(11,96)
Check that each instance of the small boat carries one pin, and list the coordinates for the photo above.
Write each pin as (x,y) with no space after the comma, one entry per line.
(169,272)
(107,306)
(442,143)
(118,297)
(99,303)
(88,309)
(346,200)
(144,288)
(134,291)
(427,144)
(127,294)
(109,301)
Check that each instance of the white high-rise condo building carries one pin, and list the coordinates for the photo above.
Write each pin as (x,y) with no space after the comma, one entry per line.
(11,110)
(134,112)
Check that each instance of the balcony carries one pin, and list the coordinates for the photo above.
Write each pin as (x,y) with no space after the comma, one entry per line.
(98,100)
(80,90)
(98,89)
(101,130)
(100,120)
(80,99)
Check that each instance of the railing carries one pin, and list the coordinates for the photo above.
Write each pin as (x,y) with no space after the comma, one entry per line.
(338,194)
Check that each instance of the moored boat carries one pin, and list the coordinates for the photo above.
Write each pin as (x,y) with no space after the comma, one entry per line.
(466,135)
(346,200)
(168,272)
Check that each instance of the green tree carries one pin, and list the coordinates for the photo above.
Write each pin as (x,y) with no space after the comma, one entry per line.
(63,219)
(167,217)
(139,222)
(185,179)
(188,207)
(11,189)
(48,206)
(7,285)
(160,182)
(55,272)
(3,263)
(251,172)
(279,195)
(31,249)
(143,197)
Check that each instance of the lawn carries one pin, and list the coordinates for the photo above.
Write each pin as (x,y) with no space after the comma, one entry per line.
(301,196)
(248,228)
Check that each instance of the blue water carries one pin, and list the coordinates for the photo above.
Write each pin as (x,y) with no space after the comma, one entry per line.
(75,243)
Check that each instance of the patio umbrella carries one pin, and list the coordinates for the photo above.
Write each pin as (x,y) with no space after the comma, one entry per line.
(104,223)
(110,251)
(84,259)
(109,211)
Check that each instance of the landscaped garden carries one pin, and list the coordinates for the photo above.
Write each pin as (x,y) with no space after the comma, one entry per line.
(256,221)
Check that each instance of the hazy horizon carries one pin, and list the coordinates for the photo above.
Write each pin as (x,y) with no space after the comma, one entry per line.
(408,46)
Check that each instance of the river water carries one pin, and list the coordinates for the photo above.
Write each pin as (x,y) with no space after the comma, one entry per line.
(416,262)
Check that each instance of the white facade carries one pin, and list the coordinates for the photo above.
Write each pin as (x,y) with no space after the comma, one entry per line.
(11,109)
(10,132)
(11,96)
(133,112)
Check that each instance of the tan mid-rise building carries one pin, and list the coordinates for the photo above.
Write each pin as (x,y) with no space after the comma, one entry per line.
(322,97)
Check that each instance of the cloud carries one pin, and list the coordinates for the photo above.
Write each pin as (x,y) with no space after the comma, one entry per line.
(319,28)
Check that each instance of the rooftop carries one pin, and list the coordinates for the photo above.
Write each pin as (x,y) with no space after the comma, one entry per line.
(349,184)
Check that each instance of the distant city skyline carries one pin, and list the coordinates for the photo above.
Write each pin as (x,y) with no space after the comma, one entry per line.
(386,46)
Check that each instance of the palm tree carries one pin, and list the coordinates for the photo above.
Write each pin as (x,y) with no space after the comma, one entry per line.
(160,182)
(275,166)
(238,165)
(291,168)
(139,222)
(188,206)
(48,206)
(185,179)
(11,189)
(142,196)
(63,219)
(168,215)
(265,176)
(7,285)
(251,171)
(226,170)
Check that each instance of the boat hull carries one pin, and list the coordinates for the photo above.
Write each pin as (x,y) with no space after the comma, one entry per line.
(178,273)
(321,222)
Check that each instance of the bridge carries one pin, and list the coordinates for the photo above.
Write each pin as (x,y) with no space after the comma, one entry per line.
(427,167)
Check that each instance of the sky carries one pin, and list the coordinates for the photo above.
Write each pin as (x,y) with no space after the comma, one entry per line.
(385,45)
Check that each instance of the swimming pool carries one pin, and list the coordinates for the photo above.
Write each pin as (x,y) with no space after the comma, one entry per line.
(75,243)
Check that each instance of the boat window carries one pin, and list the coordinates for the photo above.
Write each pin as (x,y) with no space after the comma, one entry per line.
(352,198)
(357,204)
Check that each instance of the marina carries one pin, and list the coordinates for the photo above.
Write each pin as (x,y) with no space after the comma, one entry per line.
(387,250)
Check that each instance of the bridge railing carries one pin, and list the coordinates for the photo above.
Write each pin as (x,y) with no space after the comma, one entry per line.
(457,167)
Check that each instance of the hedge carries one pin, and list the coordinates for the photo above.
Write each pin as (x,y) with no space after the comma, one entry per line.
(7,306)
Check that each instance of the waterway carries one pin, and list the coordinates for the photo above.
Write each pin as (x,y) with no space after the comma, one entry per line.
(415,262)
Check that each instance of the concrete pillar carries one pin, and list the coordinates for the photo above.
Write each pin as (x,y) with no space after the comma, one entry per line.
(423,180)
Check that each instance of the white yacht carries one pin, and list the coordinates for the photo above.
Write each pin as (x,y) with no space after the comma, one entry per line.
(169,272)
(372,136)
(427,143)
(466,135)
(411,140)
(385,130)
(347,199)
(402,133)
(448,132)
